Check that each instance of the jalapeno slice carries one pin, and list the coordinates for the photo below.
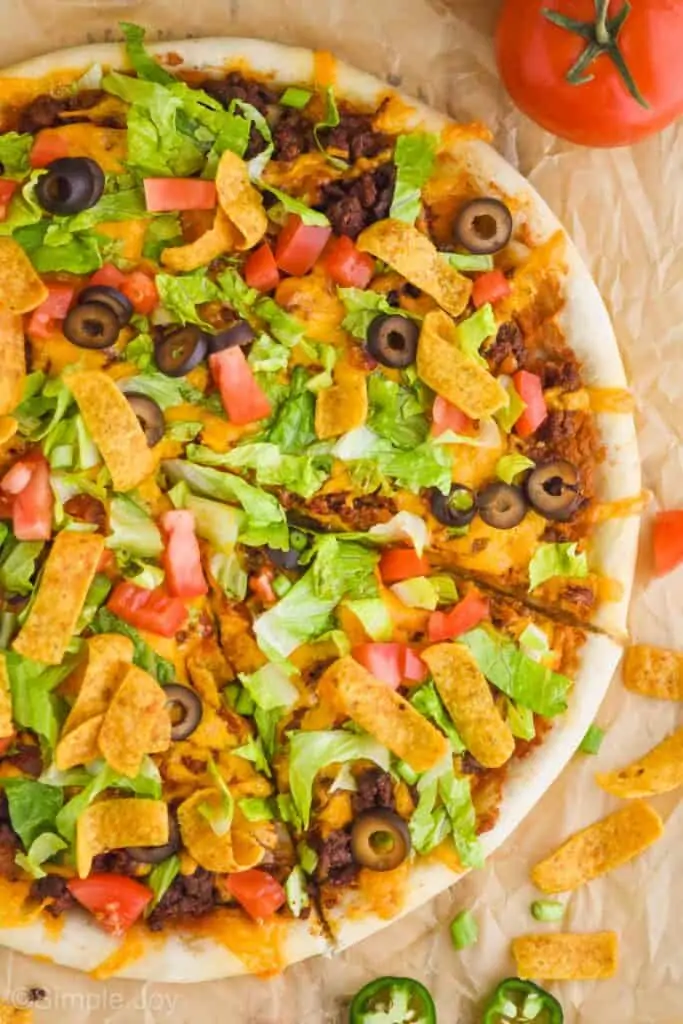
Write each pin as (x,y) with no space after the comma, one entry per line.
(516,1002)
(396,1000)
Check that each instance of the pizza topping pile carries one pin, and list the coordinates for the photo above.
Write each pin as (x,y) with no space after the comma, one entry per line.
(271,420)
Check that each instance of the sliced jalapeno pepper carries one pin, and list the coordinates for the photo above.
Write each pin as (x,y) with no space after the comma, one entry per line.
(516,1002)
(394,1001)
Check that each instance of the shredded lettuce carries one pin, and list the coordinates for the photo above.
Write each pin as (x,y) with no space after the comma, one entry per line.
(509,467)
(146,784)
(116,204)
(551,560)
(43,848)
(374,615)
(253,751)
(300,474)
(427,701)
(331,119)
(219,524)
(181,295)
(162,231)
(143,63)
(98,592)
(296,892)
(270,687)
(310,752)
(132,530)
(520,720)
(167,392)
(467,261)
(257,808)
(456,795)
(267,355)
(33,807)
(396,412)
(51,248)
(473,332)
(292,428)
(18,565)
(219,818)
(428,465)
(416,593)
(161,878)
(509,414)
(143,655)
(34,705)
(404,526)
(14,154)
(362,307)
(296,206)
(526,681)
(414,159)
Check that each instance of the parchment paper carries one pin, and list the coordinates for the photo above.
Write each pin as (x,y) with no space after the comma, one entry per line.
(625,211)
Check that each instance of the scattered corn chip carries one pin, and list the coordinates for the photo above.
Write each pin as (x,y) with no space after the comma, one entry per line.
(565,956)
(6,721)
(220,239)
(79,746)
(341,408)
(468,699)
(384,714)
(654,672)
(12,363)
(240,201)
(114,428)
(136,721)
(453,375)
(412,254)
(113,824)
(595,850)
(100,674)
(68,573)
(237,850)
(658,771)
(21,288)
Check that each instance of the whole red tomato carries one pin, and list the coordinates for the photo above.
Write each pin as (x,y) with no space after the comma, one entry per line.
(596,72)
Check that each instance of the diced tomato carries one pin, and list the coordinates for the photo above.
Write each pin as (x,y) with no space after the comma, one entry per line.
(44,319)
(465,615)
(182,559)
(260,269)
(108,275)
(391,663)
(299,245)
(6,505)
(258,892)
(142,292)
(164,194)
(242,398)
(33,504)
(261,584)
(5,743)
(402,564)
(490,287)
(529,387)
(7,190)
(115,901)
(346,265)
(448,417)
(153,610)
(667,541)
(414,668)
(47,148)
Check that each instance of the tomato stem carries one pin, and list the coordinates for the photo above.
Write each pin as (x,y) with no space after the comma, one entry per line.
(602,38)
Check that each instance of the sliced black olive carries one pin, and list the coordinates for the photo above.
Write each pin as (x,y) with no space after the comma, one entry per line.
(71,184)
(484,226)
(455,509)
(392,340)
(181,350)
(186,710)
(155,854)
(554,489)
(502,505)
(150,417)
(290,559)
(241,333)
(111,297)
(380,839)
(92,325)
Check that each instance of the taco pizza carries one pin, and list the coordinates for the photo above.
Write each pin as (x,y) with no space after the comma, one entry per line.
(319,502)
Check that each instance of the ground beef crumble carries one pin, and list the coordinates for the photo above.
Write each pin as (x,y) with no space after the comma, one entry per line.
(188,896)
(352,204)
(336,865)
(375,789)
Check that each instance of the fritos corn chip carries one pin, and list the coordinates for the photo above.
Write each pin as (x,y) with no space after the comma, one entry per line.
(102,670)
(566,956)
(654,672)
(237,850)
(12,363)
(658,771)
(469,702)
(341,408)
(136,720)
(6,723)
(114,428)
(80,745)
(68,573)
(113,824)
(220,239)
(241,203)
(21,288)
(384,714)
(453,375)
(595,850)
(412,254)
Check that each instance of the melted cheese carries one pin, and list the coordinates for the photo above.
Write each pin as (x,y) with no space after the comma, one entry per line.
(132,948)
(383,892)
(324,68)
(336,813)
(19,92)
(496,552)
(602,511)
(617,400)
(131,233)
(14,911)
(313,300)
(472,466)
(55,354)
(259,945)
(107,146)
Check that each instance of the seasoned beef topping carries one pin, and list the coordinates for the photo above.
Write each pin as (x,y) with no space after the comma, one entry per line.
(44,111)
(563,373)
(355,137)
(359,513)
(188,896)
(88,510)
(335,860)
(375,789)
(352,204)
(53,888)
(292,135)
(507,354)
(236,87)
(116,862)
(27,759)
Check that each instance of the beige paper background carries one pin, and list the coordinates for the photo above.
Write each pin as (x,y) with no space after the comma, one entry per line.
(624,210)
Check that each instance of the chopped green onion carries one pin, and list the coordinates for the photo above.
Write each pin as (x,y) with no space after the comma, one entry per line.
(464,930)
(281,584)
(592,741)
(468,261)
(295,97)
(547,910)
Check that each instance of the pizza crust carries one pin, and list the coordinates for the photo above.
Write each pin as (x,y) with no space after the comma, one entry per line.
(588,329)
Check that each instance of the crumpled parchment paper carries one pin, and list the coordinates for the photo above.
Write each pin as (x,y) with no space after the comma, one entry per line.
(624,209)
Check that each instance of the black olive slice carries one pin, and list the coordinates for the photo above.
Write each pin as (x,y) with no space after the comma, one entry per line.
(111,297)
(155,854)
(71,184)
(392,340)
(554,489)
(380,839)
(92,325)
(150,417)
(501,505)
(483,226)
(181,350)
(241,333)
(186,710)
(455,509)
